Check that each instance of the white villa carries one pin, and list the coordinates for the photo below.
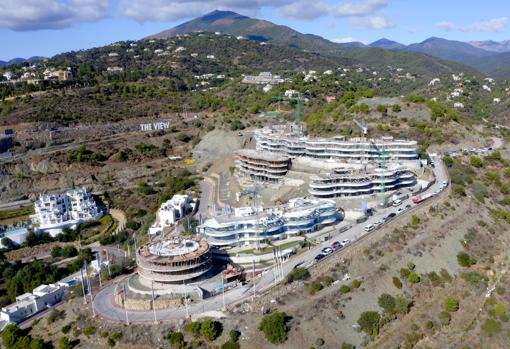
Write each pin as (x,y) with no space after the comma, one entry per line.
(55,211)
(29,304)
(171,212)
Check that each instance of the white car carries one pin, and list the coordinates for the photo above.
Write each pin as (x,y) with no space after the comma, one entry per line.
(346,242)
(400,210)
(378,223)
(369,227)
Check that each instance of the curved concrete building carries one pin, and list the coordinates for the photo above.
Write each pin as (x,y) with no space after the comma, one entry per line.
(261,165)
(336,148)
(248,225)
(173,261)
(354,183)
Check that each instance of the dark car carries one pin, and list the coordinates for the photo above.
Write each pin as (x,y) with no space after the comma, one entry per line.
(319,256)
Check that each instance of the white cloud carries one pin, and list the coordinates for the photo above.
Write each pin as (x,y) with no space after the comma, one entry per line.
(22,15)
(373,22)
(445,25)
(163,10)
(359,8)
(344,40)
(491,25)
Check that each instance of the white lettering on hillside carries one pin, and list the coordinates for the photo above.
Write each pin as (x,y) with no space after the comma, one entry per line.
(155,126)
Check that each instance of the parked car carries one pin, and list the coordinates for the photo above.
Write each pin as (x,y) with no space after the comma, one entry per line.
(327,250)
(369,227)
(336,245)
(400,210)
(377,224)
(397,202)
(346,242)
(319,256)
(408,206)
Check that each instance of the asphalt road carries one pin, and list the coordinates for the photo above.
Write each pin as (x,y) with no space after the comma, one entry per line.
(106,308)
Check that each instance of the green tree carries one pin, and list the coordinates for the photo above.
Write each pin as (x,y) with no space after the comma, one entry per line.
(176,340)
(275,327)
(369,322)
(56,251)
(402,304)
(387,302)
(345,289)
(451,304)
(210,329)
(193,328)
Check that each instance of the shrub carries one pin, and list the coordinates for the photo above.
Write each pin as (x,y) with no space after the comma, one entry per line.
(210,329)
(396,282)
(230,345)
(491,327)
(429,325)
(327,280)
(413,278)
(369,322)
(465,259)
(64,343)
(133,225)
(345,289)
(193,328)
(404,273)
(298,274)
(451,304)
(499,310)
(56,251)
(415,220)
(183,137)
(402,304)
(176,340)
(69,251)
(348,346)
(89,331)
(445,318)
(396,108)
(234,335)
(275,327)
(387,302)
(475,161)
(356,283)
(313,287)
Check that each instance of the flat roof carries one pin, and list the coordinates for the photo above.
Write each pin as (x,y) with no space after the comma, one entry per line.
(262,155)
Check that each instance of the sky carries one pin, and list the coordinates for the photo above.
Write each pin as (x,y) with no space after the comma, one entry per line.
(47,27)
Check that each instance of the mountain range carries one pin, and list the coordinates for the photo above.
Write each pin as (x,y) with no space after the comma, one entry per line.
(488,57)
(19,60)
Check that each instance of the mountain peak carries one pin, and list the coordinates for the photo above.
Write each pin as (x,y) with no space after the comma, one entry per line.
(220,14)
(387,44)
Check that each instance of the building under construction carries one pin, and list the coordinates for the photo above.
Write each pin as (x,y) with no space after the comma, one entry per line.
(173,261)
(261,165)
(349,182)
(277,139)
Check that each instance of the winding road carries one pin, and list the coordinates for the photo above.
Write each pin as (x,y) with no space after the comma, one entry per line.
(105,306)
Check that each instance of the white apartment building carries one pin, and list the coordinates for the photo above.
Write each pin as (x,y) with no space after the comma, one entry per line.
(171,212)
(249,225)
(29,304)
(55,211)
(340,148)
(348,182)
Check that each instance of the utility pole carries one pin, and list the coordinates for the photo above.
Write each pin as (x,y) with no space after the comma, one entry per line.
(125,305)
(223,291)
(185,299)
(89,285)
(83,287)
(253,279)
(153,302)
(108,264)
